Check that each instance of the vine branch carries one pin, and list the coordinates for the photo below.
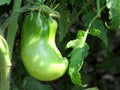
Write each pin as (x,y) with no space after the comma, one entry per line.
(5,65)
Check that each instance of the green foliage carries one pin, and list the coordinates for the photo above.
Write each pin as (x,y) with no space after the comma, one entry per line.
(64,22)
(30,83)
(2,2)
(36,1)
(79,52)
(114,13)
(76,63)
(94,32)
(96,25)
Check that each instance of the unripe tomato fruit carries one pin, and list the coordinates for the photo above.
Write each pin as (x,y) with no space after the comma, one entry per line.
(39,53)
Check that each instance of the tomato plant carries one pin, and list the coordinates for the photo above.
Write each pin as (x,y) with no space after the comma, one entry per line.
(59,44)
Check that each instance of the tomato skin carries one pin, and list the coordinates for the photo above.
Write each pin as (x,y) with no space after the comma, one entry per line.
(39,53)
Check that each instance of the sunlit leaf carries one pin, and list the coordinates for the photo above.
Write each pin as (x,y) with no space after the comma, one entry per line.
(76,63)
(79,52)
(79,42)
(114,13)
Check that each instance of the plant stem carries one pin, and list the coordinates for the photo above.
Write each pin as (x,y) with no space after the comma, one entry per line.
(5,65)
(97,15)
(98,8)
(89,26)
(5,52)
(13,26)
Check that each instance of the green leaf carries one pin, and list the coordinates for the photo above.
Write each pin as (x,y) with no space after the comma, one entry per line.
(79,42)
(80,34)
(96,25)
(36,1)
(2,2)
(81,88)
(30,83)
(79,52)
(76,87)
(114,13)
(94,32)
(64,22)
(109,3)
(75,43)
(92,88)
(76,62)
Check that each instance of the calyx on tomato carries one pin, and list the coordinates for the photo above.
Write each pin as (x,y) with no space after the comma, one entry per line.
(39,53)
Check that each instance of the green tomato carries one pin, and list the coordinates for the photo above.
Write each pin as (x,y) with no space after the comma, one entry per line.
(39,53)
